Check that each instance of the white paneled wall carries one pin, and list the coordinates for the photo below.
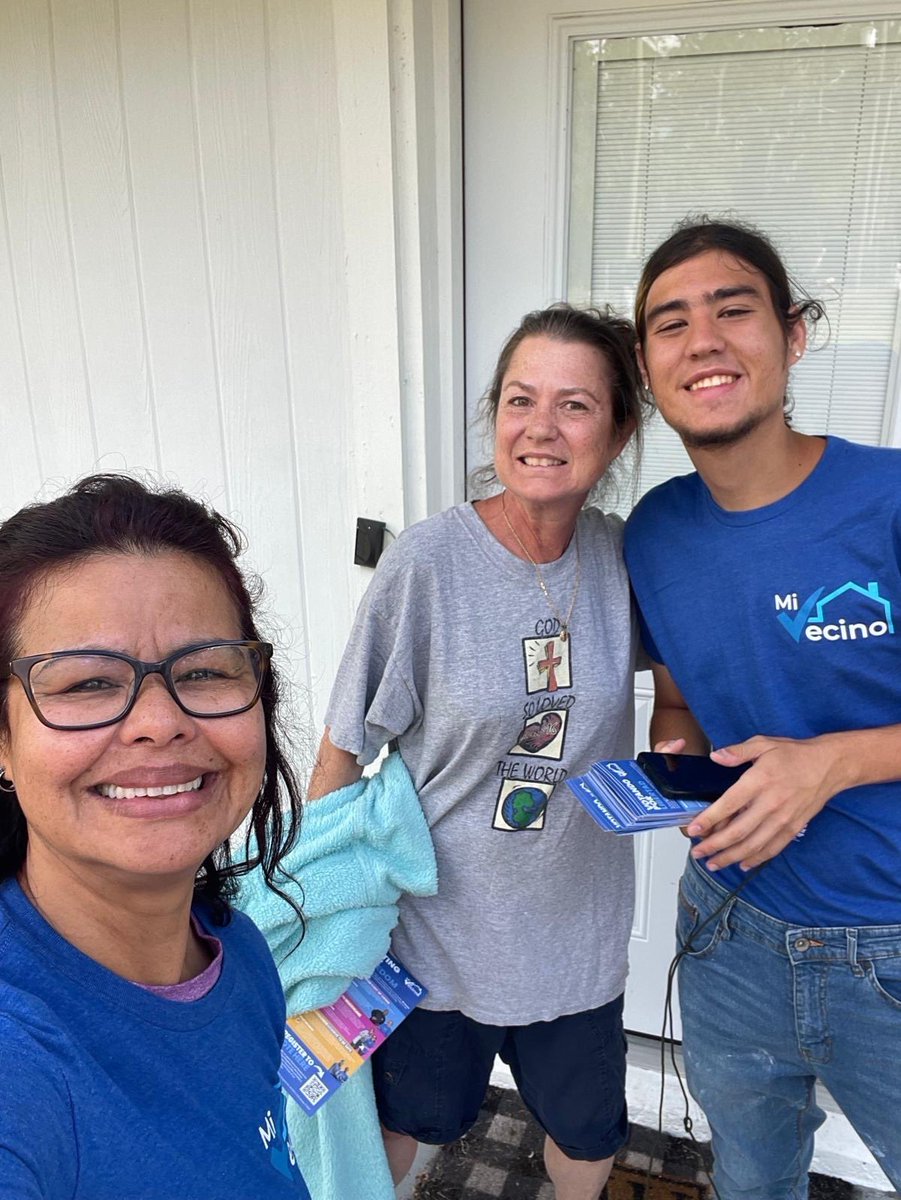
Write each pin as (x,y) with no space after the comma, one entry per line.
(201,277)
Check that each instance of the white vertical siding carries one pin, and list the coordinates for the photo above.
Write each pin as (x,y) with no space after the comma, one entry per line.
(44,335)
(97,198)
(199,276)
(171,254)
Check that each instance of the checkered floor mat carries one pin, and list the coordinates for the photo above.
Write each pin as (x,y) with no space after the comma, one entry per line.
(501,1159)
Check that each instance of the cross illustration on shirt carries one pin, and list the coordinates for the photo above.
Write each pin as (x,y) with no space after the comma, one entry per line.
(547,664)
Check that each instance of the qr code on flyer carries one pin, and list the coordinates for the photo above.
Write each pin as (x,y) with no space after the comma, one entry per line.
(314,1089)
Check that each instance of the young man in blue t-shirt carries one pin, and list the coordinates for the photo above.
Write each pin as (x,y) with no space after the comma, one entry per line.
(769,584)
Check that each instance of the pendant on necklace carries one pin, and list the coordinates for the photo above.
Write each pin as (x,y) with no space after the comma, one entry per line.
(564,624)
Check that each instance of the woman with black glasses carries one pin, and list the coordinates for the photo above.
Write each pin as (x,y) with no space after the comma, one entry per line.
(140,1017)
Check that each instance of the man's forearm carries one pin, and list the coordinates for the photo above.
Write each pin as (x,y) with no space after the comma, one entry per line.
(862,756)
(671,719)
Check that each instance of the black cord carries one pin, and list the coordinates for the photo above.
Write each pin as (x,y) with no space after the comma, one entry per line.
(667,1033)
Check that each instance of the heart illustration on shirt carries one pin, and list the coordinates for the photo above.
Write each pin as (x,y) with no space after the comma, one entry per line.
(541,733)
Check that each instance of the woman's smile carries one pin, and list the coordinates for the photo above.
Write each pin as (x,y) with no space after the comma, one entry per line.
(160,801)
(117,792)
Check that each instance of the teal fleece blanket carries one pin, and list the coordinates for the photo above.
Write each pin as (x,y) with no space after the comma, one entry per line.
(359,848)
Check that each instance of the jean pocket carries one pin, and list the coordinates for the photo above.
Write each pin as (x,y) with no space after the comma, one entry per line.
(697,930)
(885,976)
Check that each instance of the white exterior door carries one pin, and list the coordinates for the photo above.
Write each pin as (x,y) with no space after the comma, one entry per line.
(536,212)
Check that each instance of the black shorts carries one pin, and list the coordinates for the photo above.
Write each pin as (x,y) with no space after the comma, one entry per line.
(432,1073)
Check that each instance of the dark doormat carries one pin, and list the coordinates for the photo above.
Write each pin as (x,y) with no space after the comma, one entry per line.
(501,1159)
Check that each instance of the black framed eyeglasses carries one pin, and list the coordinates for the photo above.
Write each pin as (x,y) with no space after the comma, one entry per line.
(87,689)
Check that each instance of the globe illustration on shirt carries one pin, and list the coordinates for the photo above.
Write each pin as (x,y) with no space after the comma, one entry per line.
(522,806)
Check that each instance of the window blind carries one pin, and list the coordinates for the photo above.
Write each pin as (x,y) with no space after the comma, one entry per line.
(801,142)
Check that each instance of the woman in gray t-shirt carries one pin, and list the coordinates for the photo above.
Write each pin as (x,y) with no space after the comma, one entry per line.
(497,645)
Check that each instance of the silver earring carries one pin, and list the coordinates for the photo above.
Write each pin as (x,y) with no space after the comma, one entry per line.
(6,784)
(797,354)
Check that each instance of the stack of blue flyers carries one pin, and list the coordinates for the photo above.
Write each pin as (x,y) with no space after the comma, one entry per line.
(622,799)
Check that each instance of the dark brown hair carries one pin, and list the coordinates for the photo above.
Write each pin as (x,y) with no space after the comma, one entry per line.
(115,514)
(696,236)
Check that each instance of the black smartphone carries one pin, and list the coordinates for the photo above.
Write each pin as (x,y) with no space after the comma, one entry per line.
(688,776)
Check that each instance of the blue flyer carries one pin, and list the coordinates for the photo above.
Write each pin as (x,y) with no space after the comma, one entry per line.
(621,798)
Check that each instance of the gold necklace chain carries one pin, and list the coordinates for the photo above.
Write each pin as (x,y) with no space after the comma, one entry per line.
(564,625)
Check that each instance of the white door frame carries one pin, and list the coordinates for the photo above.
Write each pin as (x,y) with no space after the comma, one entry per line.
(425,57)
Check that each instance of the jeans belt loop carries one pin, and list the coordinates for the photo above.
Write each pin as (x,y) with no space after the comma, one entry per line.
(851,937)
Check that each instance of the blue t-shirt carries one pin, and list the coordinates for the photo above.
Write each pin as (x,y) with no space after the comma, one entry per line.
(786,620)
(108,1092)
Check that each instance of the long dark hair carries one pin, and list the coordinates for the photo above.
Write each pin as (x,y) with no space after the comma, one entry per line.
(104,514)
(697,235)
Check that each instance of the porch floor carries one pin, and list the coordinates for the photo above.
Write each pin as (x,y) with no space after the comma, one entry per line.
(501,1158)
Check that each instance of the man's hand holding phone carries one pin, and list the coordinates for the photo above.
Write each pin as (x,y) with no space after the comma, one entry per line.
(787,783)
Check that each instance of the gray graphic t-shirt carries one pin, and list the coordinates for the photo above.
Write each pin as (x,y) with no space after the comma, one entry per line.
(456,653)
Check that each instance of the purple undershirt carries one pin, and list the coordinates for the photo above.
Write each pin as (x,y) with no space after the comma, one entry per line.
(196,988)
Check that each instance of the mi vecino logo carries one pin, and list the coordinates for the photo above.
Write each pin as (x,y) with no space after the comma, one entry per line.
(814,623)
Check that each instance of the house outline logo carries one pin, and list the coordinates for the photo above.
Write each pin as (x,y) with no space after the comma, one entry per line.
(870,592)
(811,621)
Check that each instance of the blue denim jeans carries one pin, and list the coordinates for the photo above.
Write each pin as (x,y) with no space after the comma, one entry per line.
(767,1009)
